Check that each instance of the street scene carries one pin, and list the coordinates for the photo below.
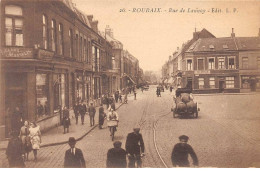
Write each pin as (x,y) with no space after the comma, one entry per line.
(135,84)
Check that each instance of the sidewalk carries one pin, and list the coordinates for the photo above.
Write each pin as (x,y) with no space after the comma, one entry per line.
(55,136)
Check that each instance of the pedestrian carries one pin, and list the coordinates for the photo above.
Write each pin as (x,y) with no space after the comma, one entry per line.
(17,120)
(74,157)
(106,98)
(35,135)
(76,112)
(116,95)
(134,148)
(180,153)
(116,157)
(135,94)
(82,111)
(92,112)
(102,116)
(40,109)
(66,120)
(14,151)
(120,98)
(26,141)
(142,89)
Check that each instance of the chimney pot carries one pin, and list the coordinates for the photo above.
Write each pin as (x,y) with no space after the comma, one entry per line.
(232,34)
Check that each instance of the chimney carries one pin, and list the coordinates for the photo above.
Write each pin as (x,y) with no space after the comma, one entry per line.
(108,30)
(196,35)
(94,25)
(90,17)
(232,34)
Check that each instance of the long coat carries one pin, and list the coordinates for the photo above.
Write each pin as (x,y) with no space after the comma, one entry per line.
(180,155)
(14,153)
(74,161)
(134,143)
(116,158)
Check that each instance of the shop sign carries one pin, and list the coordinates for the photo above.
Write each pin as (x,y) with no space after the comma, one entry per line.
(15,52)
(45,55)
(202,72)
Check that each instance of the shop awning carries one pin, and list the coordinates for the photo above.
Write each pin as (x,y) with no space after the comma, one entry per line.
(130,78)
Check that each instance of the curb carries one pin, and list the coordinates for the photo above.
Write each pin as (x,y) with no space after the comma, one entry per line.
(65,142)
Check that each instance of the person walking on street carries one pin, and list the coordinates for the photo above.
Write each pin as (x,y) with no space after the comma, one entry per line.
(82,111)
(116,95)
(92,112)
(74,157)
(120,98)
(66,120)
(26,141)
(180,153)
(101,117)
(116,157)
(134,148)
(76,112)
(106,99)
(14,151)
(35,135)
(135,94)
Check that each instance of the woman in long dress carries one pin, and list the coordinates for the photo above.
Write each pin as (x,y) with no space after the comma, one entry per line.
(35,135)
(26,140)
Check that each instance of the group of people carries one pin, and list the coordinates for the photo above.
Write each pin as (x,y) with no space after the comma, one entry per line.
(116,157)
(22,143)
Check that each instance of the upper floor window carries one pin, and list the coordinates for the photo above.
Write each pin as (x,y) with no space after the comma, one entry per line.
(61,43)
(211,63)
(258,62)
(200,64)
(44,32)
(13,26)
(189,64)
(80,49)
(85,51)
(221,63)
(245,62)
(231,63)
(53,35)
(77,46)
(71,42)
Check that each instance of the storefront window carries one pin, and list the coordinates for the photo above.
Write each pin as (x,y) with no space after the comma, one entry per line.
(59,91)
(258,81)
(245,82)
(42,95)
(230,82)
(212,82)
(201,83)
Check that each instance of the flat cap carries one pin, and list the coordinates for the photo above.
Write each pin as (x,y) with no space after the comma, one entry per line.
(184,137)
(117,143)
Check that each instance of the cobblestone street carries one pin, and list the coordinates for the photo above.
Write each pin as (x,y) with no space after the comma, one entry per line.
(226,133)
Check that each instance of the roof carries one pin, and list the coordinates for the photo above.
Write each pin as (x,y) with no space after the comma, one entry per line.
(213,44)
(115,43)
(81,15)
(248,43)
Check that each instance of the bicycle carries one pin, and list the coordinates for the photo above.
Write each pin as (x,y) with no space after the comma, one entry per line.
(112,124)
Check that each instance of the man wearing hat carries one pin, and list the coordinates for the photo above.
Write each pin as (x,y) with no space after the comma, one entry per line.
(74,157)
(82,111)
(116,157)
(92,112)
(180,153)
(134,146)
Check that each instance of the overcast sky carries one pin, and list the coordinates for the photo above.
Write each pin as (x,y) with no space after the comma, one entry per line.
(153,37)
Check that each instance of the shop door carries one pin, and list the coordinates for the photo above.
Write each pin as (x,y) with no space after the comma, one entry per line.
(189,83)
(13,99)
(253,85)
(221,86)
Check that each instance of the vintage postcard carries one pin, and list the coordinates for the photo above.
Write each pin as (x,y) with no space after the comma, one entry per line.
(130,84)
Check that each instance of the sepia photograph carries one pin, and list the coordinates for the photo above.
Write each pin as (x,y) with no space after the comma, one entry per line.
(129,84)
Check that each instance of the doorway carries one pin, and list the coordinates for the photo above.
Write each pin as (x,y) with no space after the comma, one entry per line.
(221,86)
(189,83)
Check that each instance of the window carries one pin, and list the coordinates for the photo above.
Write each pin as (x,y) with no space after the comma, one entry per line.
(59,91)
(258,62)
(201,83)
(230,82)
(245,62)
(245,82)
(211,82)
(13,26)
(61,43)
(98,59)
(44,32)
(71,42)
(85,51)
(211,63)
(200,64)
(77,46)
(189,64)
(231,63)
(80,49)
(221,63)
(53,35)
(42,91)
(94,57)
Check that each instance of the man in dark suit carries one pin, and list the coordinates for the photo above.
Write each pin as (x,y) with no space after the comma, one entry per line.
(180,153)
(82,111)
(134,146)
(76,112)
(74,157)
(92,112)
(116,157)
